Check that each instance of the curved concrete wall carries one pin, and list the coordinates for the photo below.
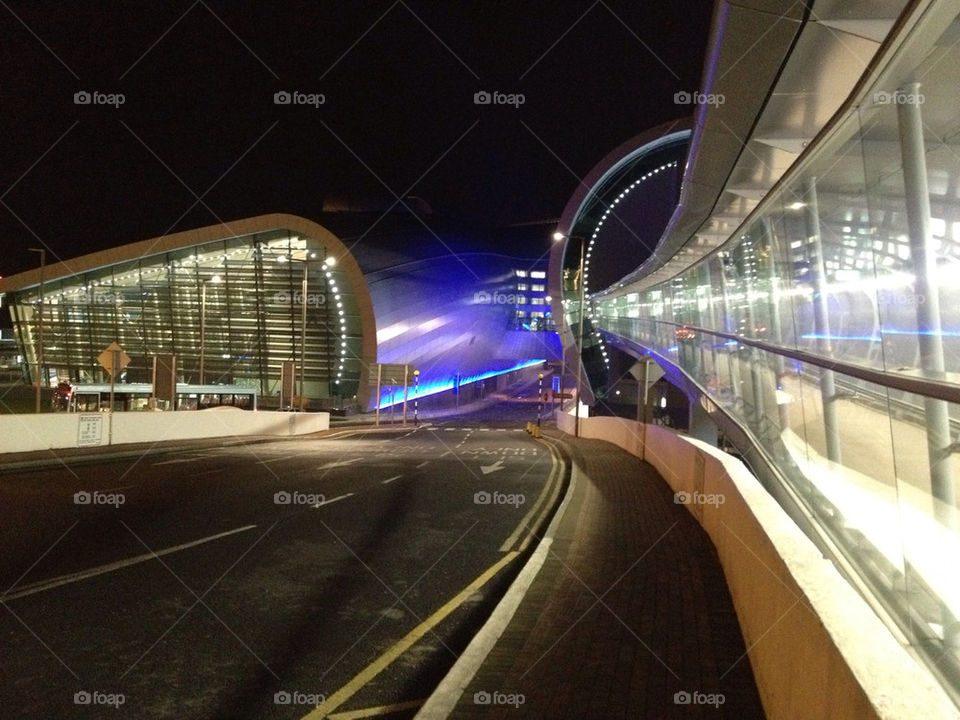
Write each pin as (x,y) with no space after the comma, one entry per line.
(817,648)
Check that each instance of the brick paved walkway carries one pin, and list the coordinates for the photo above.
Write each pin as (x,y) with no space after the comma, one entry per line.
(630,607)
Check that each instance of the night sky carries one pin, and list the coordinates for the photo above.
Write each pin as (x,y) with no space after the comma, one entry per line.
(199,139)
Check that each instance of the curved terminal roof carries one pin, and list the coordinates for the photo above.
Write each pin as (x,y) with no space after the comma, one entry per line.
(778,74)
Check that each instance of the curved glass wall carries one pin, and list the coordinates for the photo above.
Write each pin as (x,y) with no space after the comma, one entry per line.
(238,300)
(853,264)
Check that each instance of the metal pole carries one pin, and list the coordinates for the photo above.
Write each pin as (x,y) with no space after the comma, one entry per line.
(831,425)
(733,364)
(406,370)
(776,328)
(203,325)
(929,331)
(579,344)
(303,332)
(540,402)
(756,372)
(114,362)
(379,374)
(416,397)
(40,359)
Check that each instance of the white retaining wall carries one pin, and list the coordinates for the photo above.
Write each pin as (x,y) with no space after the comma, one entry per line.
(816,647)
(24,433)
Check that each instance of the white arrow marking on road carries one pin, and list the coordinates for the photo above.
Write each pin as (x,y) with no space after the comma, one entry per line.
(487,469)
(331,500)
(336,464)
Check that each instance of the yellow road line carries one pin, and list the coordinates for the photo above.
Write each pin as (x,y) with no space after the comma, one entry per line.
(546,509)
(405,643)
(509,542)
(377,711)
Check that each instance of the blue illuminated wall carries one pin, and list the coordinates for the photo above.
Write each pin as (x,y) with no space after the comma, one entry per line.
(445,301)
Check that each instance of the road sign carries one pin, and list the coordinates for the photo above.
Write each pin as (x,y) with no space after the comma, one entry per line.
(113,359)
(90,430)
(395,373)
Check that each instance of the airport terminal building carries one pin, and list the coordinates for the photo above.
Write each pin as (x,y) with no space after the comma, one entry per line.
(233,302)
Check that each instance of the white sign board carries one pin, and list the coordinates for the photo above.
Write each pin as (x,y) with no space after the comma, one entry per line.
(90,430)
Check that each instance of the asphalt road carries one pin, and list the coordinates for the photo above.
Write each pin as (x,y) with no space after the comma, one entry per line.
(259,581)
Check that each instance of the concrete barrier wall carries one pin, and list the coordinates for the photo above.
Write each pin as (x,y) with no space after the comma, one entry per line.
(817,648)
(24,433)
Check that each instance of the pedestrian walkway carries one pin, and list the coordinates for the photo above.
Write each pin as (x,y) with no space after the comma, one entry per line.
(629,616)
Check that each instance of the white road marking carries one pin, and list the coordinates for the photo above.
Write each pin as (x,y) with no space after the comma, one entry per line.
(337,463)
(389,480)
(425,462)
(180,460)
(487,469)
(331,500)
(279,459)
(52,583)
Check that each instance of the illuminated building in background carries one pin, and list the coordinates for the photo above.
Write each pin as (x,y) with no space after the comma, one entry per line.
(233,302)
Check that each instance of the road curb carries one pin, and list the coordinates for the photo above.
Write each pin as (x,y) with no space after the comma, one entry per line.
(443,700)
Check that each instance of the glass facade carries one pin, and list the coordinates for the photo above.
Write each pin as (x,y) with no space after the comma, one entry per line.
(232,309)
(828,326)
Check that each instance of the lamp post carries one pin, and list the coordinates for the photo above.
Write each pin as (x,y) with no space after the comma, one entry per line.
(203,321)
(39,373)
(578,342)
(416,398)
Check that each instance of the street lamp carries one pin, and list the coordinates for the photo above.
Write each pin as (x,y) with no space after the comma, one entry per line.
(203,321)
(43,265)
(559,236)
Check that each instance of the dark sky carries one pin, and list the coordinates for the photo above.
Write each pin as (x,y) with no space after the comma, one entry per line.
(398,79)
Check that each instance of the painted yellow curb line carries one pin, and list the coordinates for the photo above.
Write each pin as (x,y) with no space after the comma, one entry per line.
(405,643)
